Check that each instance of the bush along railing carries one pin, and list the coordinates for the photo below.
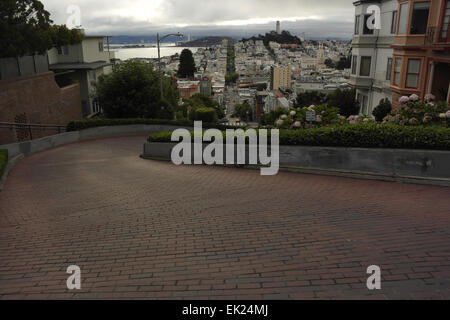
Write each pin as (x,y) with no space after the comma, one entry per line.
(102,122)
(3,161)
(358,136)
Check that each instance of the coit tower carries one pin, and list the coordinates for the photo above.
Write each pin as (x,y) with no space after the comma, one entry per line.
(278,27)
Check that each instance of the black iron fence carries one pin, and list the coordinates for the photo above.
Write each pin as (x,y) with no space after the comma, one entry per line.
(24,131)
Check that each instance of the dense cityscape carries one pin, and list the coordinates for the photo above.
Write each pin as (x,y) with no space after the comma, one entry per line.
(186,150)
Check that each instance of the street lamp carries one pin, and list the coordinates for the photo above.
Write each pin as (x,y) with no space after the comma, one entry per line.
(158,40)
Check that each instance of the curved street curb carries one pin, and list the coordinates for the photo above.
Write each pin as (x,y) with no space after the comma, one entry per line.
(11,163)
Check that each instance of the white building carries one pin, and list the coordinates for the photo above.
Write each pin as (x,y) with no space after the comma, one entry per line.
(82,63)
(372,54)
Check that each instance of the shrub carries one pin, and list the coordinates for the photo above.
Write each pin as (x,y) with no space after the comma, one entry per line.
(370,136)
(204,114)
(3,161)
(382,110)
(415,113)
(103,122)
(359,135)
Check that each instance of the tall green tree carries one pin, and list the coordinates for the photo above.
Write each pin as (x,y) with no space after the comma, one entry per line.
(187,64)
(132,91)
(26,28)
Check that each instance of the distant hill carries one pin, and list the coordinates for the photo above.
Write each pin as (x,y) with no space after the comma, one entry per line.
(206,42)
(284,38)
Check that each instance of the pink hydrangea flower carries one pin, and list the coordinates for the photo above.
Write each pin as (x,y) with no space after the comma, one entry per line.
(297,124)
(447,114)
(413,121)
(279,123)
(319,118)
(284,117)
(429,97)
(311,107)
(293,113)
(414,97)
(403,99)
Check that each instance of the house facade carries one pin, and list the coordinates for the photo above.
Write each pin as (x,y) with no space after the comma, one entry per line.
(82,63)
(421,57)
(372,54)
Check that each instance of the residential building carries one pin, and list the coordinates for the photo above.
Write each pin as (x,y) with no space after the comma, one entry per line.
(82,63)
(188,88)
(206,87)
(421,62)
(280,77)
(372,54)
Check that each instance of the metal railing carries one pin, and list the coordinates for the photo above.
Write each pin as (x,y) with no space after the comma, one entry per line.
(27,128)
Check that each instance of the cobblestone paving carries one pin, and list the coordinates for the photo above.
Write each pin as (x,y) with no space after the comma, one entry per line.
(147,230)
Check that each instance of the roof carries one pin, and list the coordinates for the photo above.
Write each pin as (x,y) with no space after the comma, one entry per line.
(79,66)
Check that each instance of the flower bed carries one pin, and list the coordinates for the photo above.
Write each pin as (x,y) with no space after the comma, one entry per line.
(415,113)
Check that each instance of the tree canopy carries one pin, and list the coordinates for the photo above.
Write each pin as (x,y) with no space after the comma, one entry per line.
(187,67)
(243,111)
(26,28)
(132,91)
(199,100)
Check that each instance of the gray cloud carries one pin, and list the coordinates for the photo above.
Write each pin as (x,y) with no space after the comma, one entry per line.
(319,18)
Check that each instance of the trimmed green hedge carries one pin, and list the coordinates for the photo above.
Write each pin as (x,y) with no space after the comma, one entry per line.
(3,161)
(359,136)
(102,122)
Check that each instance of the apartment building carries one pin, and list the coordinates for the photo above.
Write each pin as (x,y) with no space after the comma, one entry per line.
(280,77)
(421,57)
(372,54)
(82,63)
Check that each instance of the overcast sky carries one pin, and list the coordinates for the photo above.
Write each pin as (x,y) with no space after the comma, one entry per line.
(318,18)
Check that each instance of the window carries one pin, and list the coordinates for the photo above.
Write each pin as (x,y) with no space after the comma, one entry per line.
(362,99)
(357,20)
(389,69)
(419,21)
(354,64)
(60,50)
(403,21)
(394,21)
(397,70)
(100,46)
(412,77)
(446,22)
(366,30)
(364,70)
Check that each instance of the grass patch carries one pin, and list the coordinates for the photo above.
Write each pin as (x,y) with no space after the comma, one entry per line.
(3,161)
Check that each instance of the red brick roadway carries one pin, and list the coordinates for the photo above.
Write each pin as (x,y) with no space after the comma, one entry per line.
(149,229)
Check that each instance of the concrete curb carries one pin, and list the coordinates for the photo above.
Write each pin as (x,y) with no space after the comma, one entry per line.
(393,165)
(11,163)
